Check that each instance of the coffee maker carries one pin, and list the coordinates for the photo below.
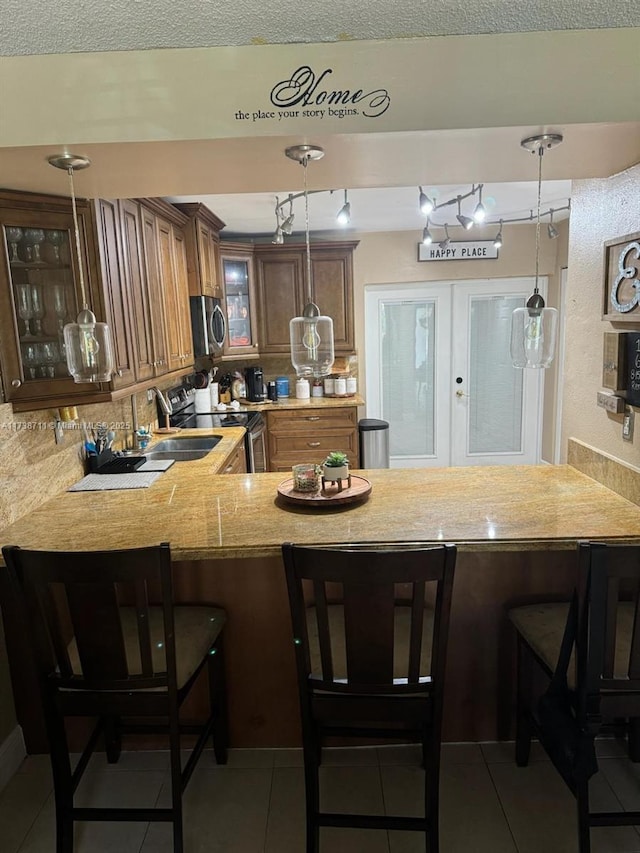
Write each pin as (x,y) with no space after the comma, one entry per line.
(254,385)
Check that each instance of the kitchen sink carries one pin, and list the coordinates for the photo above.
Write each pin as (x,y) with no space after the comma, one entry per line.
(183,449)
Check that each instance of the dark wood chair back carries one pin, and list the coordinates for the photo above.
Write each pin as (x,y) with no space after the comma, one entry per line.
(370,584)
(608,650)
(78,595)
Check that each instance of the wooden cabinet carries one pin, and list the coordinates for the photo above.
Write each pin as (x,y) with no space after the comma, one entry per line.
(135,268)
(236,263)
(39,294)
(143,285)
(203,250)
(281,274)
(236,463)
(308,435)
(173,283)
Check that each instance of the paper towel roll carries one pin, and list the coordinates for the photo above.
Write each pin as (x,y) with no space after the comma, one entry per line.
(213,393)
(203,401)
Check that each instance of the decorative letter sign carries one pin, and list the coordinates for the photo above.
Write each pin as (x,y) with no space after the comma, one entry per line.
(622,279)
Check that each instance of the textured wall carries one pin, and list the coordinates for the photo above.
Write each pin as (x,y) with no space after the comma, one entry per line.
(600,210)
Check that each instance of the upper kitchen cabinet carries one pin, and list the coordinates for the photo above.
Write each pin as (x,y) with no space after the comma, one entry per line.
(203,250)
(239,297)
(144,288)
(39,293)
(283,292)
(174,285)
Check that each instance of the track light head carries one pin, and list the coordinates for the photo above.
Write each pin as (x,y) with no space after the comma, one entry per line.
(278,237)
(465,221)
(344,214)
(497,240)
(427,239)
(443,244)
(552,231)
(480,212)
(425,203)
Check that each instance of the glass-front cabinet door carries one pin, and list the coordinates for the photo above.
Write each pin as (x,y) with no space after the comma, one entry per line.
(38,297)
(237,277)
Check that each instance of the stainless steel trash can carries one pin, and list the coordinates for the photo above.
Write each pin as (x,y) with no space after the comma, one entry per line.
(374,443)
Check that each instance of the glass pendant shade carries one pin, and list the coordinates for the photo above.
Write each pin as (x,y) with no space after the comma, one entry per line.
(533,336)
(89,349)
(311,339)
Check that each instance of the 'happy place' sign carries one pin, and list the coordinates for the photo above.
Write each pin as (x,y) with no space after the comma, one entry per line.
(463,250)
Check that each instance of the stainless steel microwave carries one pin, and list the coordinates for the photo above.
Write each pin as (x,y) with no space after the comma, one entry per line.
(208,325)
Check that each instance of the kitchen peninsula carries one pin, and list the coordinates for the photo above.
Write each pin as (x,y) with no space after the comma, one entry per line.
(515,527)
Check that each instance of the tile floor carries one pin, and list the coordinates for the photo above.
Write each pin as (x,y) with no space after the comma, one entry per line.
(256,803)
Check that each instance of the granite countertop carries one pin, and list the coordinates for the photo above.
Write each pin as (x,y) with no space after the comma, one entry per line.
(206,517)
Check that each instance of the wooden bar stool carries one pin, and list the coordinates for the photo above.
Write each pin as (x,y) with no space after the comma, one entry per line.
(370,659)
(101,650)
(590,651)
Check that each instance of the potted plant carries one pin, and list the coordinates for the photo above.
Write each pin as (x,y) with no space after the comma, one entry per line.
(336,467)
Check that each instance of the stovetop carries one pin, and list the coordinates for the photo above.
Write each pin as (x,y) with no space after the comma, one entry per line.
(184,415)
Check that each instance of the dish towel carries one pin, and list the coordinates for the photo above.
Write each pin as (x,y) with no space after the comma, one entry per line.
(102,482)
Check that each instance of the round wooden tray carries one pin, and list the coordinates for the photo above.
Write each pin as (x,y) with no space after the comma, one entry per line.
(360,489)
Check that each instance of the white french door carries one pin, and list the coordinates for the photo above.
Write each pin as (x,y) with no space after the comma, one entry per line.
(439,371)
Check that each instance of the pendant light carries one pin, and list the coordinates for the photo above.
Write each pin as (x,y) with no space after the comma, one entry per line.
(88,347)
(534,327)
(311,335)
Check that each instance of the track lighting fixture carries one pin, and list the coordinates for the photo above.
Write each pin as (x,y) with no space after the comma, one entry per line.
(465,221)
(425,203)
(427,239)
(497,240)
(534,327)
(344,214)
(444,243)
(552,231)
(479,214)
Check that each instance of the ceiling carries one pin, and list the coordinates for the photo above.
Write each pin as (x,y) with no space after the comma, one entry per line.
(36,27)
(240,179)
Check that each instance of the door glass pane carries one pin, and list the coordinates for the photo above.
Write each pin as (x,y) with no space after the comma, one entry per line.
(407,350)
(495,389)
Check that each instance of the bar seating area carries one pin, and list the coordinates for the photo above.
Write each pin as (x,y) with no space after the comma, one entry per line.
(369,632)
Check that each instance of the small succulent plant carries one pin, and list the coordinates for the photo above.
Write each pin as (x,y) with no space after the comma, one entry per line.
(336,459)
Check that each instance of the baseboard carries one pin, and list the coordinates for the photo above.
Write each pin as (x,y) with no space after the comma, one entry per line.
(12,754)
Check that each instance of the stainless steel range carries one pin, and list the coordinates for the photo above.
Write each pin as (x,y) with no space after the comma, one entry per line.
(182,402)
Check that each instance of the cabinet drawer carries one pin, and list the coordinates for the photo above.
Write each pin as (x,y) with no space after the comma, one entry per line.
(314,446)
(292,421)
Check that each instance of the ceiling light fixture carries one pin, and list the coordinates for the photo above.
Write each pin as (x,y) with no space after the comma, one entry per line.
(427,239)
(88,346)
(497,240)
(465,221)
(425,204)
(344,214)
(287,225)
(480,213)
(444,243)
(311,335)
(552,231)
(534,327)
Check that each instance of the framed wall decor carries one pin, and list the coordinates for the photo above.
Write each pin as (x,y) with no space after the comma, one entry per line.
(622,279)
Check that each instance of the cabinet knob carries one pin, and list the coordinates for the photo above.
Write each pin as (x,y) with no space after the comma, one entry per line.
(16,383)
(313,444)
(312,418)
(120,372)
